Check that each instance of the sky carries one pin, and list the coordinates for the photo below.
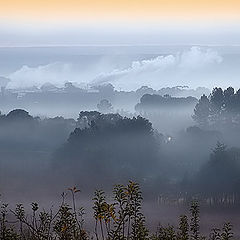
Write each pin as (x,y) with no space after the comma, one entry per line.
(119,22)
(118,9)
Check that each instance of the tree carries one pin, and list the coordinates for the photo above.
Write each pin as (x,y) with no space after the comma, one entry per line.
(219,150)
(228,93)
(228,105)
(235,103)
(69,87)
(183,233)
(221,173)
(18,115)
(202,111)
(223,108)
(113,147)
(216,101)
(85,118)
(105,106)
(154,102)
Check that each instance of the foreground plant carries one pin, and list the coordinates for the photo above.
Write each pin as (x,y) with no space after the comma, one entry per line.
(121,218)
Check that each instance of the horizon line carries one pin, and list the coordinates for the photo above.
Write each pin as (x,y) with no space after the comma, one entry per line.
(118,45)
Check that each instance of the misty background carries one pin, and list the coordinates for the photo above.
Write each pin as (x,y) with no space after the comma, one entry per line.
(126,67)
(92,116)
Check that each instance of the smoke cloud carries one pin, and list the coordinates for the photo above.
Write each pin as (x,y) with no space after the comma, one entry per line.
(165,69)
(188,68)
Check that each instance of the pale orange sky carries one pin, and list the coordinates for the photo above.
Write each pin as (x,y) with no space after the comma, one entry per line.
(120,9)
(74,22)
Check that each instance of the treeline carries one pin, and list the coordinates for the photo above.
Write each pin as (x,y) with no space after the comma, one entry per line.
(221,107)
(50,100)
(118,218)
(155,102)
(112,148)
(219,176)
(20,130)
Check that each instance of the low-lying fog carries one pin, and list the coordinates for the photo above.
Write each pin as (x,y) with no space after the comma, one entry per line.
(92,120)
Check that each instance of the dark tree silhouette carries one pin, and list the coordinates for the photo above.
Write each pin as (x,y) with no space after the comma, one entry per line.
(216,100)
(221,108)
(228,94)
(221,173)
(85,118)
(155,102)
(18,115)
(202,111)
(113,147)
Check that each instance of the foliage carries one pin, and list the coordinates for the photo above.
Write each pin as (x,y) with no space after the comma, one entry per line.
(119,219)
(155,102)
(195,221)
(220,108)
(183,233)
(126,146)
(221,173)
(202,111)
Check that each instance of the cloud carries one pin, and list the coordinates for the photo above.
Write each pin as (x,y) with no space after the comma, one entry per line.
(188,68)
(164,68)
(56,73)
(137,67)
(198,58)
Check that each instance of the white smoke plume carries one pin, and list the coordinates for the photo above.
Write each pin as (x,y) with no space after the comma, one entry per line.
(164,70)
(188,68)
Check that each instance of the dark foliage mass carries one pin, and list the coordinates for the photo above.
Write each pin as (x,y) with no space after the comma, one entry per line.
(21,130)
(109,147)
(221,173)
(154,102)
(221,107)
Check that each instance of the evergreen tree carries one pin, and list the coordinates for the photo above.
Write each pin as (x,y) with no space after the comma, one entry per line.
(202,111)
